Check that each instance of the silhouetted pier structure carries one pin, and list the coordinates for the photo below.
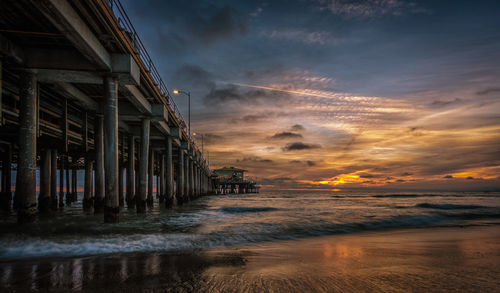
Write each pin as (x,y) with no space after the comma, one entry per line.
(79,91)
(232,180)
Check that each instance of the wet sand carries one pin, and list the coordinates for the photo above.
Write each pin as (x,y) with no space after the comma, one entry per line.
(414,260)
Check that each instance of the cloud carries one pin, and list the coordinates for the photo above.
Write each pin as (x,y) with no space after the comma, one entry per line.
(234,94)
(448,177)
(297,127)
(366,176)
(194,75)
(302,36)
(286,135)
(369,8)
(298,146)
(406,174)
(224,23)
(254,159)
(488,91)
(311,163)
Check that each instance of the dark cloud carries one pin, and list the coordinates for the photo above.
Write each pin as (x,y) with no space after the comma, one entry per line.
(311,163)
(224,23)
(488,91)
(194,75)
(250,118)
(366,176)
(212,138)
(400,180)
(470,178)
(406,174)
(298,146)
(285,135)
(234,94)
(254,159)
(297,127)
(439,103)
(370,8)
(448,177)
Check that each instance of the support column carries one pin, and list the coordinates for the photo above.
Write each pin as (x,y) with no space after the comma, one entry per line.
(191,182)
(53,180)
(44,195)
(74,180)
(120,174)
(26,168)
(151,176)
(180,177)
(186,178)
(87,189)
(169,188)
(68,186)
(163,180)
(6,196)
(61,181)
(130,173)
(99,164)
(111,203)
(143,167)
(195,176)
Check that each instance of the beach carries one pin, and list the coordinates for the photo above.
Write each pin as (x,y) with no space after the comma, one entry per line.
(409,260)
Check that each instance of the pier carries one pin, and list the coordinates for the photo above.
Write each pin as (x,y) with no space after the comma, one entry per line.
(79,91)
(228,180)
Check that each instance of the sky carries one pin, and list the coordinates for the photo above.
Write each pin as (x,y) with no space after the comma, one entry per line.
(336,94)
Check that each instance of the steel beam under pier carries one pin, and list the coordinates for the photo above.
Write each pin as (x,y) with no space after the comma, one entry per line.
(26,168)
(111,201)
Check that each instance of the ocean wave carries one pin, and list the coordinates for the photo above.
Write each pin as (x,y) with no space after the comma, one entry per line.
(25,247)
(238,210)
(448,206)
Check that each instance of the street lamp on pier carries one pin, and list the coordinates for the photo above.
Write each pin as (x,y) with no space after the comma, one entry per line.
(188,94)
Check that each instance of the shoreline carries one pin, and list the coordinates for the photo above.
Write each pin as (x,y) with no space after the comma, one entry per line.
(416,259)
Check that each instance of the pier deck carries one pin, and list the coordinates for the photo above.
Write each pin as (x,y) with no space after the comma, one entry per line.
(79,91)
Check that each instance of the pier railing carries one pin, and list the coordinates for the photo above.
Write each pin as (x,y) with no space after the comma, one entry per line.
(136,41)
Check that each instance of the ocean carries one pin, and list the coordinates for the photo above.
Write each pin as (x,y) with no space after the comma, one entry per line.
(242,219)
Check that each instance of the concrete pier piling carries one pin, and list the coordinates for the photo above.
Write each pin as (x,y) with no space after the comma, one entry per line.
(6,195)
(53,180)
(68,185)
(151,175)
(87,189)
(99,164)
(26,164)
(163,181)
(180,177)
(74,183)
(61,181)
(111,203)
(130,173)
(143,167)
(169,170)
(45,170)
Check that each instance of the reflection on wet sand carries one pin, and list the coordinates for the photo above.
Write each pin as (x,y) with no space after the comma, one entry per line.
(437,259)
